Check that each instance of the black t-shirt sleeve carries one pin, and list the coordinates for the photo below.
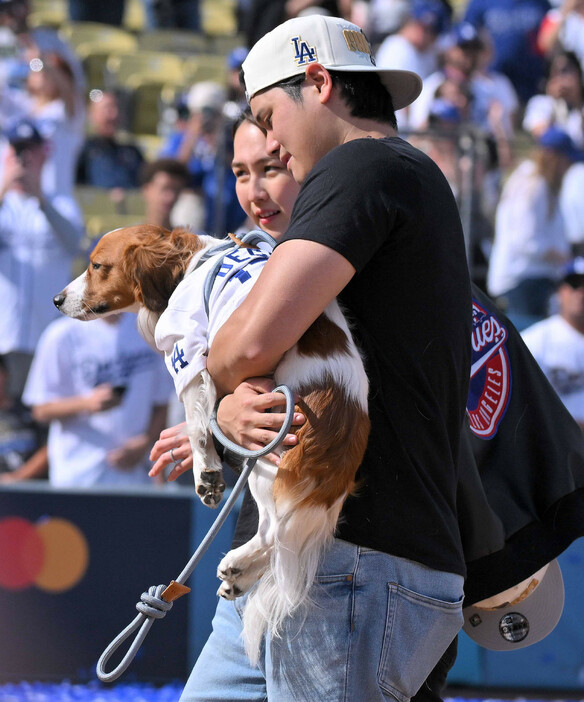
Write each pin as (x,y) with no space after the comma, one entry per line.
(341,196)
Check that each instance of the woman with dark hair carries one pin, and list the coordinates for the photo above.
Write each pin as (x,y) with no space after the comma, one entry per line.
(562,103)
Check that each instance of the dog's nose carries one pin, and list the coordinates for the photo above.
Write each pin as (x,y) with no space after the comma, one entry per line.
(58,300)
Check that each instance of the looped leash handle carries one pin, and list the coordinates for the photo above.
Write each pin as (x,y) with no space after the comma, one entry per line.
(258,453)
(155,603)
(152,606)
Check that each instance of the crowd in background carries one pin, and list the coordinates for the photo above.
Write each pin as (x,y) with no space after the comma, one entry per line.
(501,112)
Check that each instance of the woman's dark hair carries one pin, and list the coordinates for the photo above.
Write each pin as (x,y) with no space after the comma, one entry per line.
(244,116)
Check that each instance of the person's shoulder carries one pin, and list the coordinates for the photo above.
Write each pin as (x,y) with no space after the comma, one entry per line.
(59,328)
(537,332)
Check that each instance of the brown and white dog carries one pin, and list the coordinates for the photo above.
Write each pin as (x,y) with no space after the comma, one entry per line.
(138,269)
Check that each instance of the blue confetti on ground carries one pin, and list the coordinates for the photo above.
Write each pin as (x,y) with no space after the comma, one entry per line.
(144,692)
(92,692)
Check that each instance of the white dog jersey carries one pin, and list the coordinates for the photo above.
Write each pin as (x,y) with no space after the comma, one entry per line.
(184,332)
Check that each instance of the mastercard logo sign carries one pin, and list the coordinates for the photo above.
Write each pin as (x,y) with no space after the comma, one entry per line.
(51,554)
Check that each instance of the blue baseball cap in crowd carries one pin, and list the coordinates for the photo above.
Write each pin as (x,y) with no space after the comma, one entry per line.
(574,269)
(431,13)
(22,134)
(558,140)
(466,35)
(236,57)
(445,111)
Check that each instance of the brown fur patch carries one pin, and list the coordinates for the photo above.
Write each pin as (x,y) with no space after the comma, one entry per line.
(322,339)
(156,264)
(331,446)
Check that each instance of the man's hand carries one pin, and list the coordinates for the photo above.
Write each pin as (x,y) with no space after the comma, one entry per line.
(130,453)
(243,416)
(102,398)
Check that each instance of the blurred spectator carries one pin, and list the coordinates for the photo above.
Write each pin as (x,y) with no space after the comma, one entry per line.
(235,91)
(572,206)
(97,11)
(530,246)
(563,28)
(557,343)
(104,393)
(19,44)
(162,183)
(413,46)
(59,114)
(563,101)
(166,14)
(204,146)
(261,16)
(513,27)
(384,17)
(106,162)
(40,236)
(23,449)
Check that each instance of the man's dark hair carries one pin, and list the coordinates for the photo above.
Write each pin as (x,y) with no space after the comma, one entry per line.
(364,93)
(163,165)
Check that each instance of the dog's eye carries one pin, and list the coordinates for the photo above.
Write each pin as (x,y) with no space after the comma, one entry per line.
(96,266)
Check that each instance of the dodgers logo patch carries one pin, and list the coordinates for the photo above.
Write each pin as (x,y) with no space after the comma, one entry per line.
(490,375)
(303,52)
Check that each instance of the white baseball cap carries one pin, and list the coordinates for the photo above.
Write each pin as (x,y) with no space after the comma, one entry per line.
(520,616)
(333,42)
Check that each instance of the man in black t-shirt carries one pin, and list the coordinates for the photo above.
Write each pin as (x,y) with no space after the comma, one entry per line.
(376,224)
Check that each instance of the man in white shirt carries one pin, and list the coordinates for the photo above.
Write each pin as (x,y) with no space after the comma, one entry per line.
(413,47)
(557,342)
(40,236)
(104,393)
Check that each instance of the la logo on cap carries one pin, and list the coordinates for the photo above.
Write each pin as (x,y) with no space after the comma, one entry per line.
(304,53)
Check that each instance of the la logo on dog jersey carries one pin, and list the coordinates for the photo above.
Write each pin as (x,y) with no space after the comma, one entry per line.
(178,359)
(303,52)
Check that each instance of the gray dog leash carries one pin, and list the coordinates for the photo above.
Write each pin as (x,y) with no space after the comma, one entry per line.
(155,603)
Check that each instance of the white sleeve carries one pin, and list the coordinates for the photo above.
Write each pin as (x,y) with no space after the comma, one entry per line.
(539,113)
(572,203)
(50,377)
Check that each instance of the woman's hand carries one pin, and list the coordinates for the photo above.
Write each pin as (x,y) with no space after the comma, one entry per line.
(243,418)
(174,438)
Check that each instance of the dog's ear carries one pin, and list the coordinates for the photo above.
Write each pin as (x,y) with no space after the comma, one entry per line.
(156,266)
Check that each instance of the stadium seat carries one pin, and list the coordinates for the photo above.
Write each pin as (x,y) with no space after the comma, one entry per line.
(131,70)
(177,41)
(104,36)
(94,201)
(218,17)
(97,225)
(205,67)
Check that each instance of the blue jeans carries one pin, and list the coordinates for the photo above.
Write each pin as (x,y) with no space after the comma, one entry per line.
(377,626)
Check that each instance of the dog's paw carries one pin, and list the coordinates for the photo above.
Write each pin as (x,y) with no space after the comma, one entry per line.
(210,487)
(239,574)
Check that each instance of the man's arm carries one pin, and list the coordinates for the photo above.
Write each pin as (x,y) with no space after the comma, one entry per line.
(35,468)
(298,282)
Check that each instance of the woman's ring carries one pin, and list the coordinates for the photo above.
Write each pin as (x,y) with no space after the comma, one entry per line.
(172,458)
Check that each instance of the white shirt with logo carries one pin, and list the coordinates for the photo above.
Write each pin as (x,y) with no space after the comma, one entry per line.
(72,358)
(559,350)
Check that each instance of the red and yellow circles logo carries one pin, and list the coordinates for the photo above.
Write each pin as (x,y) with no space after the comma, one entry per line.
(51,554)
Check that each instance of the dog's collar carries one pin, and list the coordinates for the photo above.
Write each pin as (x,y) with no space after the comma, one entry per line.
(252,238)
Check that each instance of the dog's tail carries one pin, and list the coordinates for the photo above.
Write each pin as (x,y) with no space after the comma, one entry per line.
(303,535)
